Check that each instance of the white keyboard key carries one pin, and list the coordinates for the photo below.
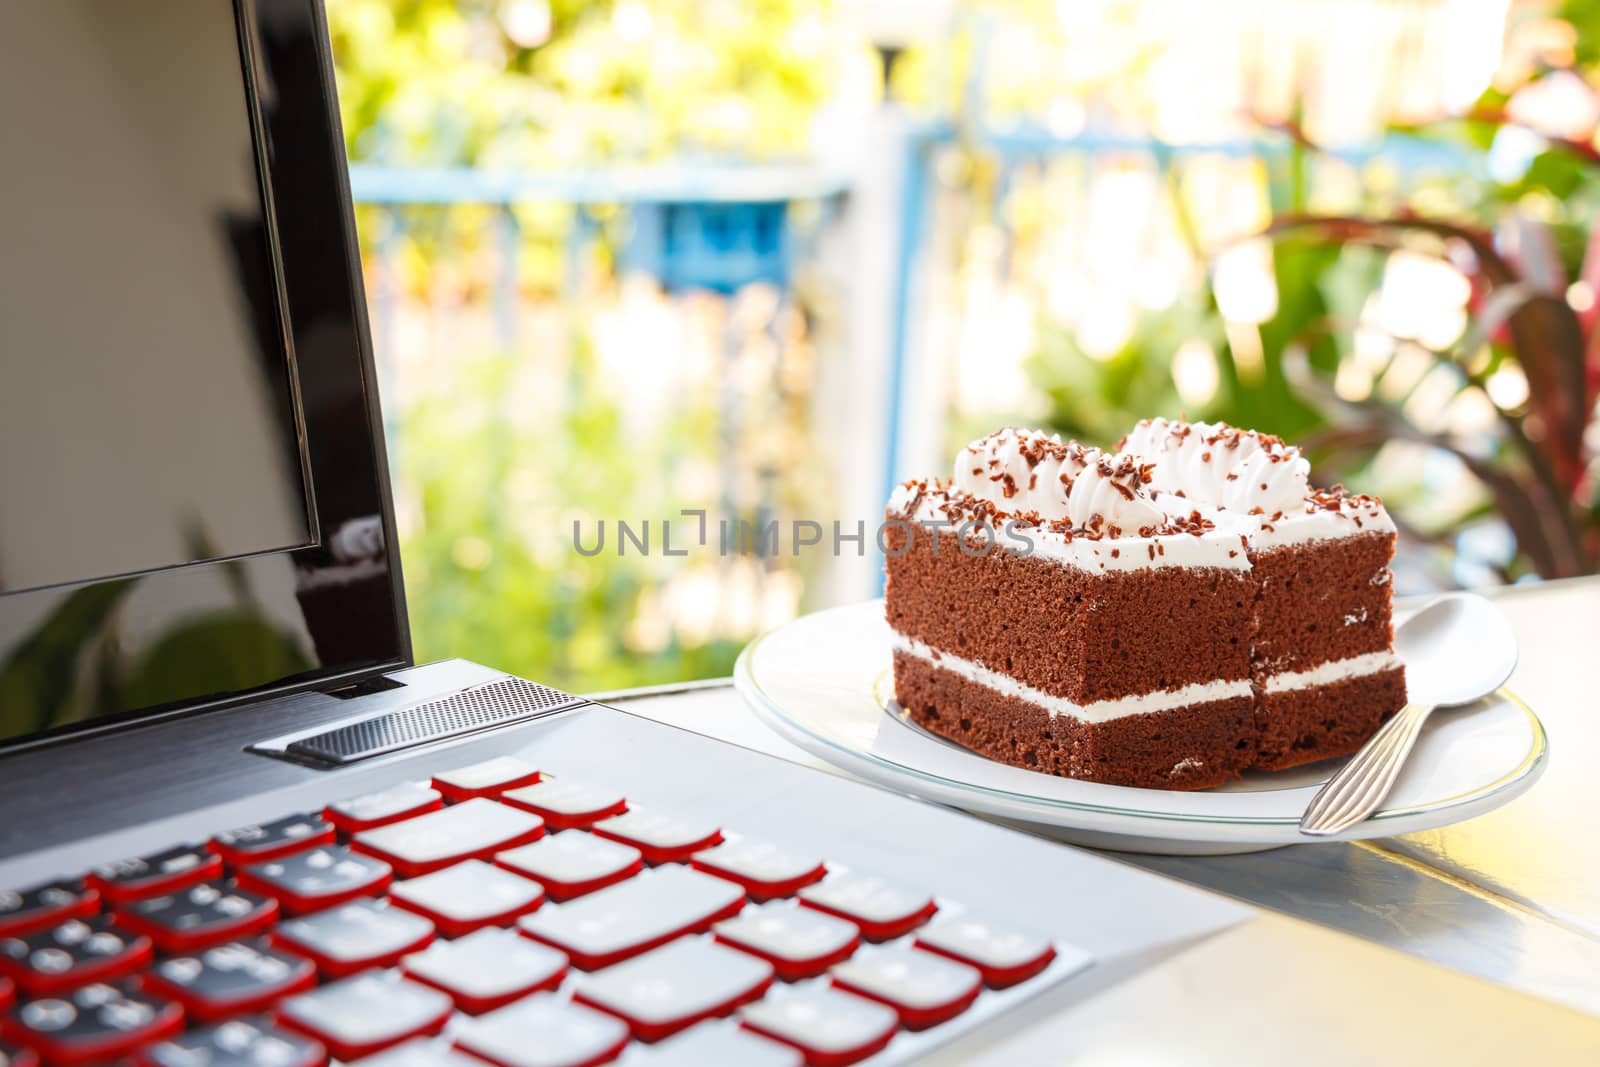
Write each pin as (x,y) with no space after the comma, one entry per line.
(827,1025)
(662,838)
(764,870)
(798,942)
(882,909)
(544,1031)
(468,896)
(922,988)
(378,809)
(573,863)
(1005,957)
(353,937)
(631,917)
(365,1014)
(488,969)
(487,779)
(716,1043)
(421,1052)
(674,987)
(473,829)
(564,804)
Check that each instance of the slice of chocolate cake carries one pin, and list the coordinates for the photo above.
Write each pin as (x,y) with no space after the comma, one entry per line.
(1048,613)
(1322,656)
(1160,617)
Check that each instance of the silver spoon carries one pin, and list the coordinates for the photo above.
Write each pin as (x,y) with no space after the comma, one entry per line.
(1458,649)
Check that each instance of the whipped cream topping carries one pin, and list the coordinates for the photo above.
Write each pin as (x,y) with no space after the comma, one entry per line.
(1028,472)
(1324,515)
(1110,491)
(986,528)
(1021,470)
(1216,465)
(1175,494)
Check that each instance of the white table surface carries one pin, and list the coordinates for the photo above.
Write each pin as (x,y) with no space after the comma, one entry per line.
(1512,897)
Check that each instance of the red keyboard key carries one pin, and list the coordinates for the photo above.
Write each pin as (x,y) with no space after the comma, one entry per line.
(271,840)
(923,989)
(8,993)
(488,969)
(380,809)
(199,917)
(365,1014)
(635,916)
(77,952)
(147,876)
(355,936)
(880,908)
(13,1056)
(830,1028)
(22,911)
(675,986)
(565,805)
(798,942)
(473,829)
(487,779)
(721,1044)
(573,863)
(231,979)
(544,1031)
(317,878)
(1003,957)
(468,896)
(662,838)
(238,1043)
(95,1024)
(765,871)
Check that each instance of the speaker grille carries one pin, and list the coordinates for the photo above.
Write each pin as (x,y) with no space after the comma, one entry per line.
(476,708)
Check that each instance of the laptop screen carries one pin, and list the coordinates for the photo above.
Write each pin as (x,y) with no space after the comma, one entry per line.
(194,508)
(147,386)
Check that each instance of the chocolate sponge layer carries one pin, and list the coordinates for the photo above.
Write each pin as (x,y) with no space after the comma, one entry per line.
(1322,601)
(1193,747)
(1067,632)
(1306,725)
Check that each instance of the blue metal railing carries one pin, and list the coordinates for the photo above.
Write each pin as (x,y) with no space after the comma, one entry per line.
(718,227)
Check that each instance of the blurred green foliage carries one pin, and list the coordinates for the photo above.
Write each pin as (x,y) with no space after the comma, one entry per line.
(440,82)
(493,485)
(492,571)
(1516,218)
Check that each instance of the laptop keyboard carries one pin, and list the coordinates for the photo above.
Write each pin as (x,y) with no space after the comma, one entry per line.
(495,915)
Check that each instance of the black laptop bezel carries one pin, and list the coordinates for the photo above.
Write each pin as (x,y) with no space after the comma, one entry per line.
(301,146)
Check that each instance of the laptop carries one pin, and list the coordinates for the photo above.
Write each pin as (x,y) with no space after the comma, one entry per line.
(238,824)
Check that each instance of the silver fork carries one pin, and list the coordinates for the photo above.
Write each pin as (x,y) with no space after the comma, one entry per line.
(1457,650)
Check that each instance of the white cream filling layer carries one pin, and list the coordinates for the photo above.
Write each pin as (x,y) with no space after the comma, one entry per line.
(1097,711)
(1333,671)
(1139,704)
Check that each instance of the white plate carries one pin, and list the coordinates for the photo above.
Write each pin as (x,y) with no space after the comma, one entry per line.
(823,682)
